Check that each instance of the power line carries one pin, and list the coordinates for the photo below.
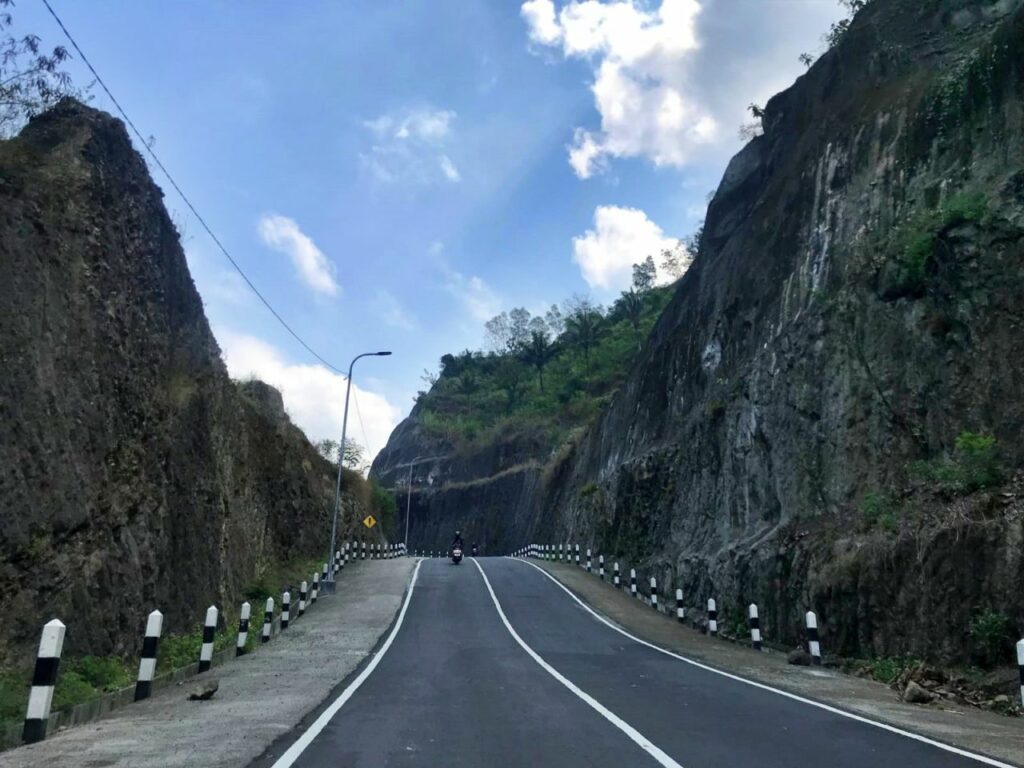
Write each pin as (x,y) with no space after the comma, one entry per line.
(178,189)
(359,415)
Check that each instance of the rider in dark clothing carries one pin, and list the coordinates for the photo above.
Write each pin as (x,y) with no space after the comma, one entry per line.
(457,541)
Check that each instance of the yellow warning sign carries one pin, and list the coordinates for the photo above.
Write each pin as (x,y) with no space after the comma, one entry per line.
(369,521)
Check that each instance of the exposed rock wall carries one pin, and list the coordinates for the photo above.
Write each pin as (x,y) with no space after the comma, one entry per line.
(856,305)
(134,473)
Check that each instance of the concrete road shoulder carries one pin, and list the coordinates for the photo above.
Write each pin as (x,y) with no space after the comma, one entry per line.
(261,696)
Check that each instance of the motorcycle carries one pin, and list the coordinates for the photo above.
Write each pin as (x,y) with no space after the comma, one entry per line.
(457,555)
(473,551)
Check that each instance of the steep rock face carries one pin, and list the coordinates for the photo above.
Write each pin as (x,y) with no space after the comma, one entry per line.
(855,307)
(134,474)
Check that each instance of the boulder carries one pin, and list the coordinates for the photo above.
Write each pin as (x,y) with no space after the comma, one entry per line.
(204,690)
(800,657)
(915,694)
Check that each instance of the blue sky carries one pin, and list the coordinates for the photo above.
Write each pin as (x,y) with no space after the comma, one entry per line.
(391,173)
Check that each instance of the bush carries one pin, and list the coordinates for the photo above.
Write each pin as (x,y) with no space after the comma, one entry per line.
(974,465)
(993,635)
(588,490)
(978,460)
(105,673)
(915,241)
(878,510)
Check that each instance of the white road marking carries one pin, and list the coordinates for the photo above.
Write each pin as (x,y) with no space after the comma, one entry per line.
(296,749)
(642,741)
(779,691)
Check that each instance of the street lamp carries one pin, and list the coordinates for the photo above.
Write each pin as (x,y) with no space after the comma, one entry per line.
(341,458)
(408,491)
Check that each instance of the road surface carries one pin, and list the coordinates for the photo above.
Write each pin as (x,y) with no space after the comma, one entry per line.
(492,662)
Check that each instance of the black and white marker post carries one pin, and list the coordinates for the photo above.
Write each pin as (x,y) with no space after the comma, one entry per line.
(209,629)
(680,610)
(147,664)
(1020,668)
(712,617)
(286,606)
(268,620)
(615,571)
(755,626)
(303,593)
(600,566)
(589,569)
(577,554)
(654,593)
(364,550)
(632,581)
(243,629)
(315,588)
(813,645)
(44,679)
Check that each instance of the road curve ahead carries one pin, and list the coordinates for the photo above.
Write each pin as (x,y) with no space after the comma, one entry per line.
(493,663)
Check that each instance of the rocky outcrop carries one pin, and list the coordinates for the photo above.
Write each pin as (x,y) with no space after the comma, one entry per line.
(855,307)
(134,473)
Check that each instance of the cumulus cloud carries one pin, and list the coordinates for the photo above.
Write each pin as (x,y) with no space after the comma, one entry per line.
(621,237)
(641,87)
(391,311)
(283,235)
(313,394)
(411,147)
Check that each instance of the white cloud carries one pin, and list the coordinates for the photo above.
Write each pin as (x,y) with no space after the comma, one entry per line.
(474,294)
(621,237)
(448,168)
(283,235)
(641,82)
(313,394)
(391,311)
(411,147)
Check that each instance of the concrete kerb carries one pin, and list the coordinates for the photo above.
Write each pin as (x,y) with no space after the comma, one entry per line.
(100,706)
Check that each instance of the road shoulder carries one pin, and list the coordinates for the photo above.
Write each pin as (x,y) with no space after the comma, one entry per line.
(261,696)
(974,730)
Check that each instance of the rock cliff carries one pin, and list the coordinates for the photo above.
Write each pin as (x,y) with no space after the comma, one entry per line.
(805,423)
(134,474)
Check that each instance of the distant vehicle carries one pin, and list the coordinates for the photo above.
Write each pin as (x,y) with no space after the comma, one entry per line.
(473,551)
(457,555)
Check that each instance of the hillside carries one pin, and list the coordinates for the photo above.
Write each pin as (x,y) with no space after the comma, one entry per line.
(828,412)
(134,473)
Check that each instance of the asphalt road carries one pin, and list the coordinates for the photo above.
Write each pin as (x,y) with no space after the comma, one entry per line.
(498,665)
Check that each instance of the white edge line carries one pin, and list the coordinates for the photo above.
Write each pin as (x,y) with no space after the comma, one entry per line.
(779,691)
(299,746)
(642,741)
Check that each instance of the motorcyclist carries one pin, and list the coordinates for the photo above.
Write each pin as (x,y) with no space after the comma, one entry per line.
(456,542)
(474,549)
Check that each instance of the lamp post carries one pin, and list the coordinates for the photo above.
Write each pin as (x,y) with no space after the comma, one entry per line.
(408,491)
(341,458)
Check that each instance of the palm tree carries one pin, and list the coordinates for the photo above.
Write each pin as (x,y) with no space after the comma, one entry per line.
(538,352)
(633,307)
(584,329)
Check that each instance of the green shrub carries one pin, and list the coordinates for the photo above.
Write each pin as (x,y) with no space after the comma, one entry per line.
(104,673)
(915,241)
(974,465)
(993,635)
(72,689)
(588,490)
(878,511)
(978,459)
